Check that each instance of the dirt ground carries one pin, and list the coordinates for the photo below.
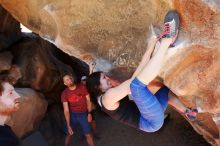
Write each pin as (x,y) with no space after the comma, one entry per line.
(175,132)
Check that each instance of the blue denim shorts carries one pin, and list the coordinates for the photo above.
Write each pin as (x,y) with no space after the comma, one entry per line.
(81,119)
(151,106)
(162,96)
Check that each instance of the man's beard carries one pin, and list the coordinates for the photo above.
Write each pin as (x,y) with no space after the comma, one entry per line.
(7,111)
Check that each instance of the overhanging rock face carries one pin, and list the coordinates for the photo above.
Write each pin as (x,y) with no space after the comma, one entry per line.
(114,33)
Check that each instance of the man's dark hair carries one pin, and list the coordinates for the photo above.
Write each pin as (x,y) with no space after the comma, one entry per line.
(71,75)
(93,83)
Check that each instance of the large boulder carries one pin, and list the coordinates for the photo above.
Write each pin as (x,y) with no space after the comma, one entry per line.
(37,63)
(109,30)
(114,33)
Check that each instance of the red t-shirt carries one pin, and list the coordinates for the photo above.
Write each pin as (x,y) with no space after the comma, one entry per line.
(76,98)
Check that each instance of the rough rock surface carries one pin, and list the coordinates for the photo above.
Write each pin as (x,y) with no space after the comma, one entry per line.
(34,106)
(5,61)
(37,62)
(114,32)
(10,30)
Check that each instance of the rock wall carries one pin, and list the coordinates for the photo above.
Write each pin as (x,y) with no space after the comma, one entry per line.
(9,34)
(114,33)
(39,65)
(109,30)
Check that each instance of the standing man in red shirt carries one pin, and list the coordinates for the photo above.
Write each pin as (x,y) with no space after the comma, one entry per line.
(77,107)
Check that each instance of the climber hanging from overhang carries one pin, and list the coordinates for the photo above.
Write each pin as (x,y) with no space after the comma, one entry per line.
(146,111)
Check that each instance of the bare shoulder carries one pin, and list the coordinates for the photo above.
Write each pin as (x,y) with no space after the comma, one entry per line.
(107,101)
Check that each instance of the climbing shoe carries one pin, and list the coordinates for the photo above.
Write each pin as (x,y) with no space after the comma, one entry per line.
(191,114)
(171,26)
